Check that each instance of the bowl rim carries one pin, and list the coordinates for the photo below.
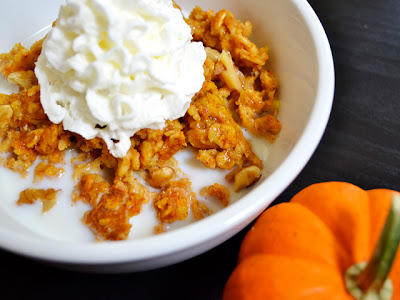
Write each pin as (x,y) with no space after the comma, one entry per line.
(233,216)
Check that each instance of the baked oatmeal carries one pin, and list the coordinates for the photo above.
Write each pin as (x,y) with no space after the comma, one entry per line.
(238,91)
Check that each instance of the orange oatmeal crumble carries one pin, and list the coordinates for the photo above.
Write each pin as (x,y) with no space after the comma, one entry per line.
(30,196)
(238,91)
(217,191)
(246,85)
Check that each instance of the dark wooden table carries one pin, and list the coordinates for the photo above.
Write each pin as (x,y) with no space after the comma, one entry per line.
(361,145)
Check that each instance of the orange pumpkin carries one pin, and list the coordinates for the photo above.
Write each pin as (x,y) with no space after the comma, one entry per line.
(302,249)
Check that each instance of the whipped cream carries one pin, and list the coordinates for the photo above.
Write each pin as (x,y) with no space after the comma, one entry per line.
(109,68)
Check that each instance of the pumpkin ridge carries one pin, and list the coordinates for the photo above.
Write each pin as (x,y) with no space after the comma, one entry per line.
(290,228)
(266,276)
(344,208)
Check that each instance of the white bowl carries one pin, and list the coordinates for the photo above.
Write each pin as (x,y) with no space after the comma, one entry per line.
(301,58)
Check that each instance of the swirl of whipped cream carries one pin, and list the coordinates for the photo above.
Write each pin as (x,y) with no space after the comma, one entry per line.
(109,68)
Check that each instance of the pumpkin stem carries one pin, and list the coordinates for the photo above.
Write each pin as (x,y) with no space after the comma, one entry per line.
(370,281)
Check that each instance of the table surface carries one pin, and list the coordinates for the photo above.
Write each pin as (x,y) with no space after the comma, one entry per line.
(361,145)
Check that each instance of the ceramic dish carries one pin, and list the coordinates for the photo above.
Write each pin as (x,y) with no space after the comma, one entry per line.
(301,58)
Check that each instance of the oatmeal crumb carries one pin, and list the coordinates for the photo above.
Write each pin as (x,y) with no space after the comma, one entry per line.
(217,191)
(30,196)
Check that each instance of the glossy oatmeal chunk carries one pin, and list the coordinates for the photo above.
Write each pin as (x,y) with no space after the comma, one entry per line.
(212,129)
(238,67)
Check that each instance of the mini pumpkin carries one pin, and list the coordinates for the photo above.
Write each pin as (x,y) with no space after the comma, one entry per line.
(316,246)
